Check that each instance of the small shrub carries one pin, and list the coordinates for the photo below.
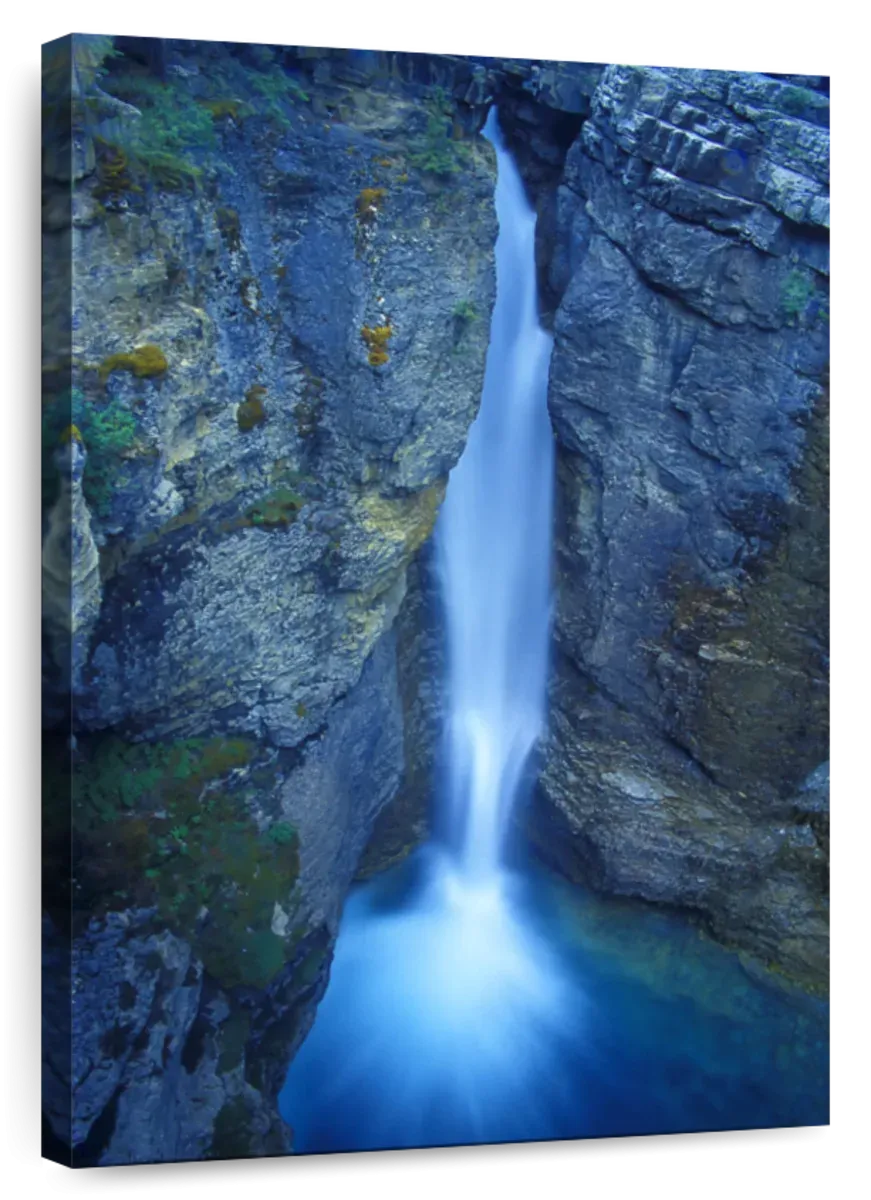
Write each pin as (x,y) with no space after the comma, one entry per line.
(797,100)
(436,150)
(108,432)
(277,92)
(229,227)
(465,312)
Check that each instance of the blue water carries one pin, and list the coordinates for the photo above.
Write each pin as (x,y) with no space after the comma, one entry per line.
(552,1014)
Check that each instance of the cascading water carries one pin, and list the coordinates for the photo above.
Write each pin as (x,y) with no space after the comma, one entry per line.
(468,1002)
(451,971)
(493,538)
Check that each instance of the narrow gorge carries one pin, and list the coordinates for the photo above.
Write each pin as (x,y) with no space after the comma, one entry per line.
(284,291)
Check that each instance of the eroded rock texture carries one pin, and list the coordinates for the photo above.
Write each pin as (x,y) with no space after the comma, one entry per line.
(277,349)
(685,250)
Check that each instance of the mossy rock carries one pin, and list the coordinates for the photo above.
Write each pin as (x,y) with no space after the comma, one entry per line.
(162,825)
(275,511)
(252,411)
(145,362)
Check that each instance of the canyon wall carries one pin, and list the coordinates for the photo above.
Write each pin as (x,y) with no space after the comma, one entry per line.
(280,308)
(283,278)
(684,262)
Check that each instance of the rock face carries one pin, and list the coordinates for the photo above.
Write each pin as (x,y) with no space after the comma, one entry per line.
(684,247)
(279,327)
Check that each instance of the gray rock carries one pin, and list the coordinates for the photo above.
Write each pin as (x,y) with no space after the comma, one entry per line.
(688,397)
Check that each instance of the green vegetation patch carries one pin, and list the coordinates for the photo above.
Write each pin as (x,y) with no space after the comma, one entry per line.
(177,135)
(436,150)
(275,511)
(159,824)
(108,431)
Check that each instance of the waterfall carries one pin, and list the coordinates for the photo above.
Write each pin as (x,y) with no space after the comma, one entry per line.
(473,1001)
(493,541)
(444,1018)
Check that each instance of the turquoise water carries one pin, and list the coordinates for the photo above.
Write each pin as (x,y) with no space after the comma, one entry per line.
(537,1012)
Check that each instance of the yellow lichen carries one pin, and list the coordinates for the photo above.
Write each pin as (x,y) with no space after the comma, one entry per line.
(144,362)
(368,203)
(376,338)
(408,520)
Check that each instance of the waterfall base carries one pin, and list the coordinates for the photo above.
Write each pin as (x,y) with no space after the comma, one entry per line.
(525,1010)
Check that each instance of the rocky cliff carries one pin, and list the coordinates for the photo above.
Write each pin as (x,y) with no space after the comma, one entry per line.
(683,252)
(281,291)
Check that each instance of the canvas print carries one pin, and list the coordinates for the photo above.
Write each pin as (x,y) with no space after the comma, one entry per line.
(435,600)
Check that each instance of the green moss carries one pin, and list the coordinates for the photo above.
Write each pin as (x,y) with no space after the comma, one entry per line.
(252,412)
(275,511)
(796,293)
(282,833)
(465,312)
(145,362)
(310,967)
(160,825)
(107,430)
(436,150)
